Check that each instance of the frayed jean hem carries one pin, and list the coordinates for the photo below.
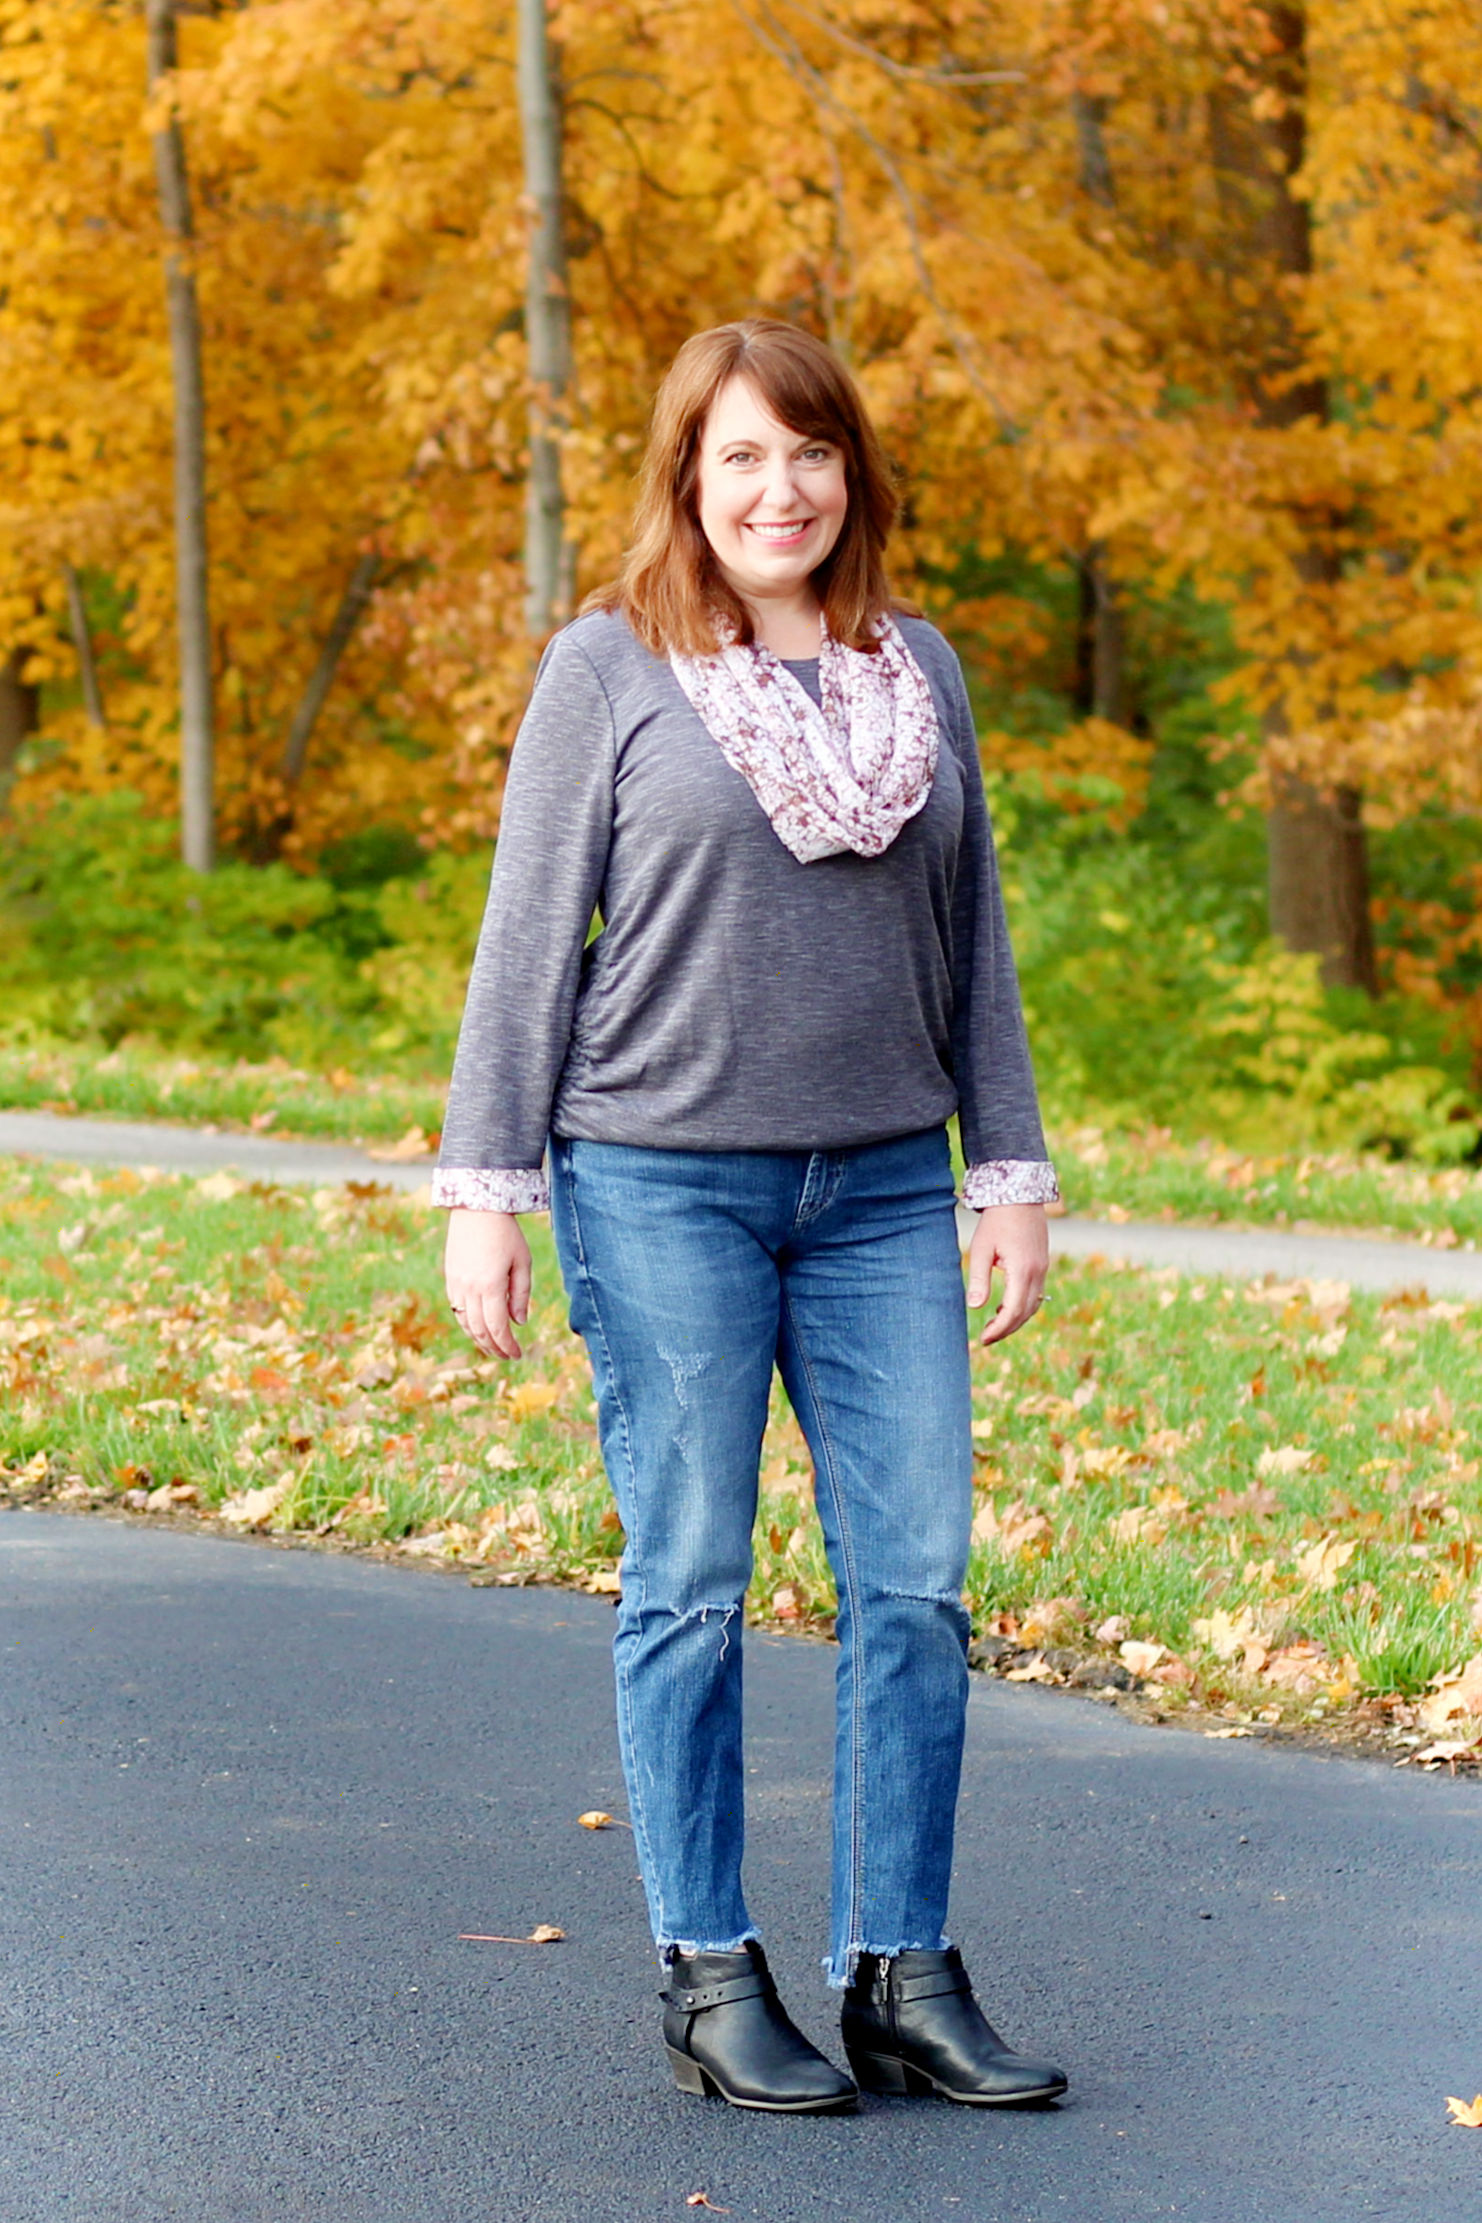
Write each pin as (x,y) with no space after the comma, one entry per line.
(841,1973)
(668,1947)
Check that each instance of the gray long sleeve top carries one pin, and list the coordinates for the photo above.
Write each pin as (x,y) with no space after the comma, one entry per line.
(734,999)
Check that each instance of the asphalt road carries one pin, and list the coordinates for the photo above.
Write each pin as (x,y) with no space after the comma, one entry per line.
(252,1795)
(1366,1262)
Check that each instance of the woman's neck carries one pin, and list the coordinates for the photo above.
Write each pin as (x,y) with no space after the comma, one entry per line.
(789,626)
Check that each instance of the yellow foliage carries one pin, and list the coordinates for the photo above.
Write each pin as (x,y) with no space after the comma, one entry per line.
(1093,765)
(1010,221)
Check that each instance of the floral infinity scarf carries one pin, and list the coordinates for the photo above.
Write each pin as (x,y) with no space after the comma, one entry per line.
(843,777)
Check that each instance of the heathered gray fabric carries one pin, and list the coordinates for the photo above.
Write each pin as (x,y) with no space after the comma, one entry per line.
(735,999)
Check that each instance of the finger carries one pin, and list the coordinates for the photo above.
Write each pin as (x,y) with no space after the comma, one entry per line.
(485,1323)
(487,1308)
(982,1257)
(1022,1294)
(519,1288)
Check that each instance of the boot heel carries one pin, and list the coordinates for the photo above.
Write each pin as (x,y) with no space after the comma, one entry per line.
(873,2072)
(688,2074)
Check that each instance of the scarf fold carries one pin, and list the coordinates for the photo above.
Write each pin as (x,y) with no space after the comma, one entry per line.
(840,778)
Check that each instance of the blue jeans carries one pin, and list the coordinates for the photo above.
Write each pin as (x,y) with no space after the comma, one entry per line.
(690,1273)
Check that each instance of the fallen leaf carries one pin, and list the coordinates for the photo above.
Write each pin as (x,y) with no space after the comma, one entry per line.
(1035,1671)
(1016,1529)
(1241,1731)
(171,1493)
(1112,1630)
(1323,1561)
(1298,1667)
(1470,2117)
(255,1508)
(703,2200)
(524,1399)
(1286,1458)
(1254,1504)
(1455,1695)
(413,1144)
(597,1819)
(1102,1459)
(436,1543)
(1052,1620)
(1446,1752)
(545,1933)
(364,1505)
(1141,1658)
(1228,1633)
(219,1188)
(604,1582)
(1137,1524)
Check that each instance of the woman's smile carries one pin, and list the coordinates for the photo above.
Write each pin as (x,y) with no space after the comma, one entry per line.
(753,469)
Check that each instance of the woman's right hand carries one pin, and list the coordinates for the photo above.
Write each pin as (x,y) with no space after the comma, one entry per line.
(487,1268)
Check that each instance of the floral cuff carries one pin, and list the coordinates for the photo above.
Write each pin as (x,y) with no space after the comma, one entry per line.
(491,1189)
(1008,1181)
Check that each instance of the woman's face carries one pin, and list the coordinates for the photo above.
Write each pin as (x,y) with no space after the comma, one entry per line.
(771,500)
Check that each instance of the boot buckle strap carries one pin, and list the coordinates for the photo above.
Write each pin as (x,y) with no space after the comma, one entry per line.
(694,1998)
(937,1984)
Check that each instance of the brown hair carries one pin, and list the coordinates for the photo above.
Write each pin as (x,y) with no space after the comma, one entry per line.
(670,588)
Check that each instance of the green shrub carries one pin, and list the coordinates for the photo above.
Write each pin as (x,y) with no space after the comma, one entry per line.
(1150,997)
(104,936)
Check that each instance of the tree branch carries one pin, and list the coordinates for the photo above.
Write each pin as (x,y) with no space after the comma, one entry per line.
(352,604)
(82,641)
(913,72)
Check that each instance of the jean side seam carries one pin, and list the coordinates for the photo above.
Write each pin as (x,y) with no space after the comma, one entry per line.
(623,1680)
(856,1625)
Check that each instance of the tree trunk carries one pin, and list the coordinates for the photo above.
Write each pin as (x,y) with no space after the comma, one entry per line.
(1101,689)
(1318,880)
(197,720)
(1101,657)
(549,556)
(1090,113)
(352,605)
(20,715)
(82,641)
(1317,849)
(271,833)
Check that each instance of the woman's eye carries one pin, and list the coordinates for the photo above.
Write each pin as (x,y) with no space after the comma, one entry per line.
(817,455)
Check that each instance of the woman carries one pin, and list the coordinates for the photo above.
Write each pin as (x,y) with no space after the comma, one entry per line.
(766,783)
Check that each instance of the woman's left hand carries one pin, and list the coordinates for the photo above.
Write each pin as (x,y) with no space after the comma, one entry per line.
(1016,1239)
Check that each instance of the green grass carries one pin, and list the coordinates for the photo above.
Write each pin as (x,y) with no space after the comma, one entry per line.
(1275,1483)
(1143,1174)
(272,1097)
(1146,1174)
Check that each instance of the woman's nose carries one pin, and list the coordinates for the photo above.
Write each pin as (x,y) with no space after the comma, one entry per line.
(781,488)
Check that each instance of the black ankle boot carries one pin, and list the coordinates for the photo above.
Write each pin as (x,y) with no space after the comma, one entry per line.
(911,2024)
(728,2032)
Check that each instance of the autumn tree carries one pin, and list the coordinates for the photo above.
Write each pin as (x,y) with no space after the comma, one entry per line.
(187,378)
(1159,298)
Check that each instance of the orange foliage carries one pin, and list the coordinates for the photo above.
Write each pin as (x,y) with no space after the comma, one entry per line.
(1009,221)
